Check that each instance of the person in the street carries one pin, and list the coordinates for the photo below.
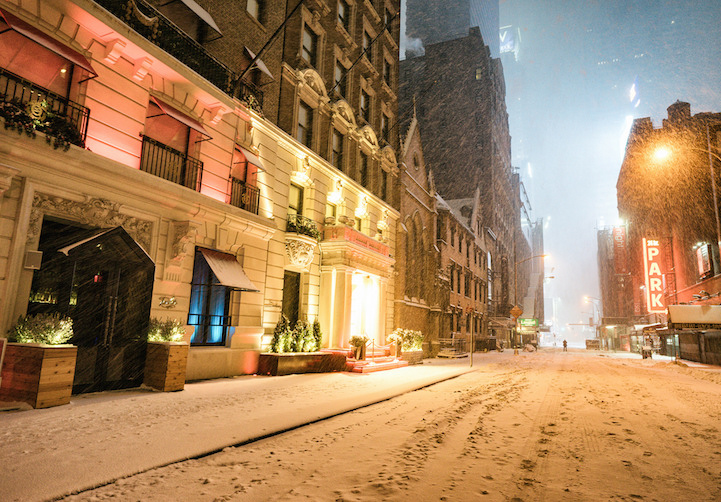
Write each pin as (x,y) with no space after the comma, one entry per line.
(565,345)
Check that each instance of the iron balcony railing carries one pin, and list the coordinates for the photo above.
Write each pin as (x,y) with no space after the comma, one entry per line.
(51,113)
(151,24)
(244,196)
(301,225)
(168,163)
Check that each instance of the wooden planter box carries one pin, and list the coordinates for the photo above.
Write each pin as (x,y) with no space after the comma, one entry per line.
(412,356)
(38,374)
(302,362)
(165,364)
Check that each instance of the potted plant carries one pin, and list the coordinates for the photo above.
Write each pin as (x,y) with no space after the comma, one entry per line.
(359,346)
(409,344)
(167,355)
(39,366)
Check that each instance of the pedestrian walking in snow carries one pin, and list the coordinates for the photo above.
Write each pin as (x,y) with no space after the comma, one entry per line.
(565,345)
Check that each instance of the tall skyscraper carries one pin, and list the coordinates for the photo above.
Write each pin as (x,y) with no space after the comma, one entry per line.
(434,21)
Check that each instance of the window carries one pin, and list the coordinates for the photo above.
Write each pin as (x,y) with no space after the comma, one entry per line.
(385,127)
(387,72)
(209,305)
(365,105)
(388,18)
(359,223)
(255,9)
(309,51)
(367,41)
(364,174)
(468,323)
(291,296)
(344,14)
(479,73)
(304,133)
(341,80)
(337,150)
(384,184)
(331,210)
(167,130)
(295,199)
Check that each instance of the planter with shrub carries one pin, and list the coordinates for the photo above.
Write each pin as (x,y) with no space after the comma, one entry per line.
(167,356)
(359,347)
(409,344)
(39,366)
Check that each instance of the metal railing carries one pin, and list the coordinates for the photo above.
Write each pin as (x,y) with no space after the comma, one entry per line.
(211,329)
(453,345)
(54,114)
(244,196)
(168,163)
(151,24)
(302,225)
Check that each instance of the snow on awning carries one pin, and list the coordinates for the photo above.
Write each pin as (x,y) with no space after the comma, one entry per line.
(180,116)
(694,316)
(18,25)
(228,271)
(251,158)
(259,63)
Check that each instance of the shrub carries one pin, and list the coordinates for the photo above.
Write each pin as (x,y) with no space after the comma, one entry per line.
(303,338)
(281,336)
(408,338)
(51,329)
(170,330)
(358,341)
(317,335)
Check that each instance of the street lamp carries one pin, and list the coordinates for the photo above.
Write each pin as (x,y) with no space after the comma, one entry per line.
(517,308)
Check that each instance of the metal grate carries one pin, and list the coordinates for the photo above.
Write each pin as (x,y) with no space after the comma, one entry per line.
(244,196)
(164,162)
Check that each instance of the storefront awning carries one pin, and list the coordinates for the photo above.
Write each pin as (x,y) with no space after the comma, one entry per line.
(180,116)
(694,316)
(259,63)
(203,14)
(18,25)
(228,271)
(251,158)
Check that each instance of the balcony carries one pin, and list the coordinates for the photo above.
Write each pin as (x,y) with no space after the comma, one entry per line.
(244,196)
(301,225)
(149,23)
(35,108)
(164,162)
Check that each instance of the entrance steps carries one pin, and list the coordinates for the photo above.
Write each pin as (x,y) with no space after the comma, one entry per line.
(374,364)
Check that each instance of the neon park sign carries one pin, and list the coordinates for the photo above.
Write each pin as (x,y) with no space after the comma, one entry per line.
(654,277)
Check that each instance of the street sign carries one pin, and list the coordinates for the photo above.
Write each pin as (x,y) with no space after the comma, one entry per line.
(516,311)
(530,323)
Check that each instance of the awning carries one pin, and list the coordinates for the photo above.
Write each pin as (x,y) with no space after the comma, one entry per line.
(201,13)
(180,116)
(694,316)
(251,158)
(228,271)
(18,25)
(259,63)
(115,240)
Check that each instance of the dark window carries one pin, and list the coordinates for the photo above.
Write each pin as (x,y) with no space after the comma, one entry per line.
(365,105)
(344,14)
(209,302)
(295,200)
(387,72)
(385,127)
(384,184)
(367,46)
(309,50)
(304,134)
(387,19)
(291,296)
(256,9)
(364,174)
(341,79)
(337,150)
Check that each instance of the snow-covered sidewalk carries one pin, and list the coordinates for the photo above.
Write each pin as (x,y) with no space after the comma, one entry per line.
(101,437)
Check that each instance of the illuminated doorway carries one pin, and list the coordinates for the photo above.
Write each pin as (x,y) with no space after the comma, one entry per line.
(365,307)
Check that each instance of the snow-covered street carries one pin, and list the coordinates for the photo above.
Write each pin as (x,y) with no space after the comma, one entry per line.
(540,426)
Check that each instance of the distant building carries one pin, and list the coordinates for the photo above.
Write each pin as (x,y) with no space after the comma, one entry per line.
(434,21)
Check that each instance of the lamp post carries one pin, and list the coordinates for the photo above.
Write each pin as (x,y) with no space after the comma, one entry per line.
(517,307)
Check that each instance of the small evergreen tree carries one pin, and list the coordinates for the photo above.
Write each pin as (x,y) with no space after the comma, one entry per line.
(317,335)
(281,335)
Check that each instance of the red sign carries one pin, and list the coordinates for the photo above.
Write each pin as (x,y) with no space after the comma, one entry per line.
(653,275)
(619,250)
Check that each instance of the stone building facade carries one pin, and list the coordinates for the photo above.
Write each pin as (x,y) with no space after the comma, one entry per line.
(167,189)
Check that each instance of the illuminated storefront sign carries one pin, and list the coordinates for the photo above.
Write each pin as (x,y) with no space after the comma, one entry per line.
(619,250)
(654,277)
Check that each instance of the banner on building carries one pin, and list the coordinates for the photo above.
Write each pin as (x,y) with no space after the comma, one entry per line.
(653,275)
(619,250)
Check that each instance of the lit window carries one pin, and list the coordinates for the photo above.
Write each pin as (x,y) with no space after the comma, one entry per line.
(304,132)
(309,51)
(295,199)
(331,210)
(337,150)
(209,305)
(479,73)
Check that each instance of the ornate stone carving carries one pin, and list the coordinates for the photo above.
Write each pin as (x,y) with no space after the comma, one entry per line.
(183,234)
(94,212)
(300,250)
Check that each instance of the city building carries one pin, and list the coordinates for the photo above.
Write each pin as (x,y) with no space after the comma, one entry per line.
(433,21)
(143,175)
(667,196)
(459,94)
